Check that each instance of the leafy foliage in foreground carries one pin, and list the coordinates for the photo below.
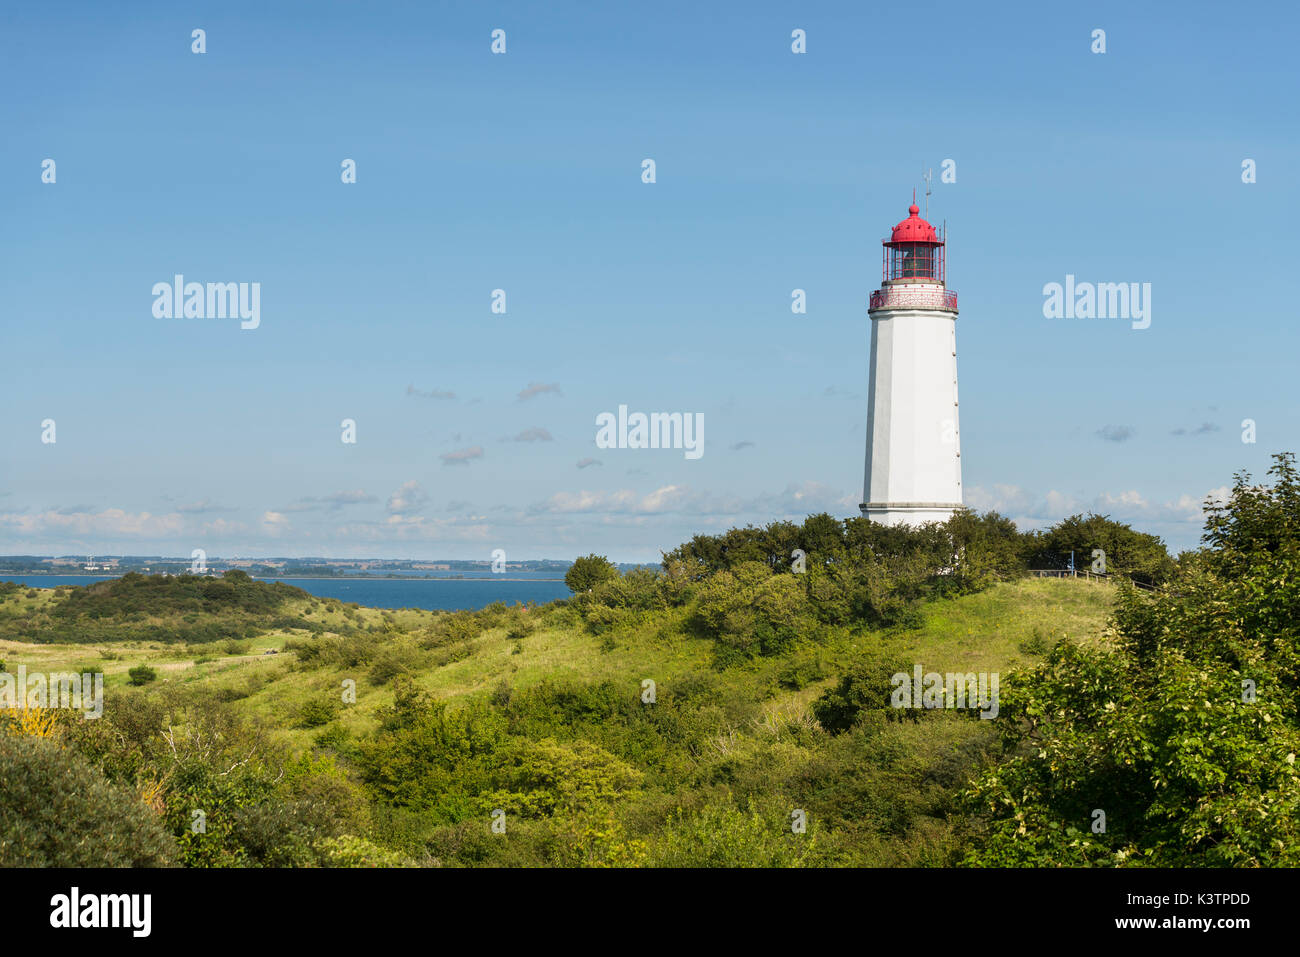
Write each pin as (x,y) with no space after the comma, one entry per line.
(1185,734)
(258,804)
(57,810)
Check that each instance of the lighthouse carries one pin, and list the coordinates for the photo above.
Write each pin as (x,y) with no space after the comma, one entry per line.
(913,472)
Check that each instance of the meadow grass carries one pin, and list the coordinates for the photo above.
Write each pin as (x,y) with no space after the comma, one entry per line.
(1000,629)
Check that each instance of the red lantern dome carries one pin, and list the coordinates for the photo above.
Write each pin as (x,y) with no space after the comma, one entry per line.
(914,229)
(913,252)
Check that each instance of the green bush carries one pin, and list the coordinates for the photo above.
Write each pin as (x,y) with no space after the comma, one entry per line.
(1184,732)
(316,712)
(397,659)
(349,850)
(725,836)
(589,571)
(1128,553)
(864,689)
(333,737)
(752,611)
(141,675)
(521,629)
(542,778)
(59,811)
(601,619)
(801,673)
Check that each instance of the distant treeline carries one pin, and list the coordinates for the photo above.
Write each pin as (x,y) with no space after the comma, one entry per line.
(757,591)
(970,547)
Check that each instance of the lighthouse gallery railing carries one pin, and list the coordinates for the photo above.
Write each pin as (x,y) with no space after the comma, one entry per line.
(914,299)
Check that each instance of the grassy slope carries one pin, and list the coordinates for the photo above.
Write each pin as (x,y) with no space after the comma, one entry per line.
(991,631)
(883,799)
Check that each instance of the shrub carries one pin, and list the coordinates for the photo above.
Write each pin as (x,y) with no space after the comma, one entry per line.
(352,851)
(521,629)
(1134,554)
(316,712)
(141,675)
(601,618)
(589,571)
(333,737)
(1163,729)
(541,778)
(752,611)
(398,658)
(59,811)
(799,674)
(726,836)
(864,689)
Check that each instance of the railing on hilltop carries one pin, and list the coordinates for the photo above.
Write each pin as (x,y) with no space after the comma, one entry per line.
(1088,574)
(1065,573)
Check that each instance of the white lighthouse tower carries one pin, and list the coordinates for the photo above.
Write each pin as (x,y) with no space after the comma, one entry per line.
(913,470)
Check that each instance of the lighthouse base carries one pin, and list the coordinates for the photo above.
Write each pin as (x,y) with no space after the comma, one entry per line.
(909,513)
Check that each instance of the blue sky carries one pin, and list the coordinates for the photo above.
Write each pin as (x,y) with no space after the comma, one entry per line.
(522,172)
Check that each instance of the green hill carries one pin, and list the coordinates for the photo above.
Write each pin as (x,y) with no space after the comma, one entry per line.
(529,711)
(749,704)
(149,607)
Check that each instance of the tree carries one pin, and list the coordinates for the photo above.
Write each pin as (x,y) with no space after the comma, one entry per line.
(751,611)
(1185,733)
(588,572)
(1140,556)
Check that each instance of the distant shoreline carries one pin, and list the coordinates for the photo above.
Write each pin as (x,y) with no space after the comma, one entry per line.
(295,578)
(395,578)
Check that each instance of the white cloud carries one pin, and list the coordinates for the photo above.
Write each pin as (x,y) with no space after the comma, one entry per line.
(410,497)
(795,500)
(219,528)
(431,394)
(110,521)
(534,389)
(1033,510)
(275,524)
(203,507)
(462,456)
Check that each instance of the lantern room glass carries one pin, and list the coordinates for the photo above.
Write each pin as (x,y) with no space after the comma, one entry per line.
(914,261)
